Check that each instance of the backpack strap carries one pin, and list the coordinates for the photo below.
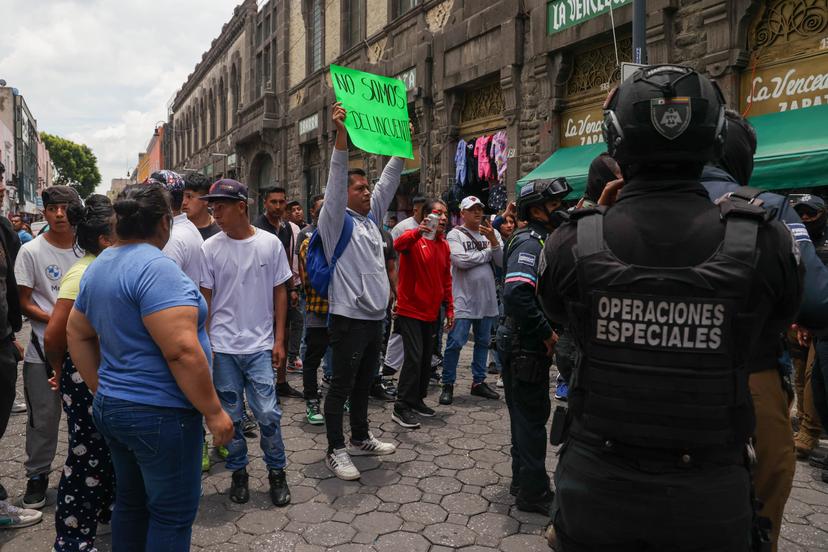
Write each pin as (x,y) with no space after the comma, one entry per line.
(344,238)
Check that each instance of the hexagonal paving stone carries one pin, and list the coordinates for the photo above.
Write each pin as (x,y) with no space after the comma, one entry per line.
(311,512)
(439,485)
(496,526)
(524,543)
(447,534)
(399,542)
(330,533)
(380,478)
(356,503)
(377,522)
(308,456)
(465,503)
(337,487)
(423,512)
(417,469)
(478,477)
(467,443)
(454,462)
(275,542)
(399,494)
(259,522)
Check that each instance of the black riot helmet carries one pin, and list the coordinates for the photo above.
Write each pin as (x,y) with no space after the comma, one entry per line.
(665,115)
(538,192)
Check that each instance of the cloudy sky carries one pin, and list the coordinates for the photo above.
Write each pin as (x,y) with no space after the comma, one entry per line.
(101,72)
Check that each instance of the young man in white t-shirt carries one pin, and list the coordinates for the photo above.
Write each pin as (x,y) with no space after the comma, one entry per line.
(184,245)
(39,268)
(243,279)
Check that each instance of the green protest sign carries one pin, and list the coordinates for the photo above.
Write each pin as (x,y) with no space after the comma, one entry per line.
(377,119)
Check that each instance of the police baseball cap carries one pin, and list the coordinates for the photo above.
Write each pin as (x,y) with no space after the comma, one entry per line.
(54,195)
(469,202)
(808,201)
(226,188)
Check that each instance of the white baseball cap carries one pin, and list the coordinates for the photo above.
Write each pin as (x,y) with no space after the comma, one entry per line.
(469,202)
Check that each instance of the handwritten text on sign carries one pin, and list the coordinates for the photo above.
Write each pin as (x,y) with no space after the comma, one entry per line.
(562,14)
(377,107)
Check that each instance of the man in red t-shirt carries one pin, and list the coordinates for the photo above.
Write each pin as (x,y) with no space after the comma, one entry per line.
(424,285)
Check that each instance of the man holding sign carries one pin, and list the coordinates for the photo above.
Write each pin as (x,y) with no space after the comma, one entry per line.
(377,109)
(357,296)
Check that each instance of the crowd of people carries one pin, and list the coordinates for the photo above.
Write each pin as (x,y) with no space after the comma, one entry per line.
(166,322)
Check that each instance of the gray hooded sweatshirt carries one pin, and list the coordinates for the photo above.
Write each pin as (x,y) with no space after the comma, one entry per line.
(359,285)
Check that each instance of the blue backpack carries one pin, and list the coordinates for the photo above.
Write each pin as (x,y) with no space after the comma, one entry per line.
(317,267)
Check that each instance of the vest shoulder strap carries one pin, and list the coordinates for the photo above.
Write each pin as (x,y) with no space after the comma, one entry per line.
(742,214)
(590,232)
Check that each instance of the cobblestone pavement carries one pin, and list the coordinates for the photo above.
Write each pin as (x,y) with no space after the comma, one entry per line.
(445,488)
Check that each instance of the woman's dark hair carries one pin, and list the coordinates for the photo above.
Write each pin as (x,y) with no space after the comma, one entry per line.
(511,216)
(139,209)
(91,221)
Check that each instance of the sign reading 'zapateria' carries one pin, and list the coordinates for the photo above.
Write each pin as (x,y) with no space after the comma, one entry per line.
(660,323)
(561,14)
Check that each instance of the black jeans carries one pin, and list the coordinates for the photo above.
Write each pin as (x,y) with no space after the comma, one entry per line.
(529,408)
(355,348)
(8,380)
(316,343)
(418,344)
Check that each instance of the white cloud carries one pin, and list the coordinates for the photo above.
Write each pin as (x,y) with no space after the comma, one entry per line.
(101,72)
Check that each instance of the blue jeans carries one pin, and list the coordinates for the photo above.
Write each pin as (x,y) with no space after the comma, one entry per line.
(156,453)
(233,375)
(458,337)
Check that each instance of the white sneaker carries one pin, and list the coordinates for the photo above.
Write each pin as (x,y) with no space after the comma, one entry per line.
(371,447)
(12,517)
(500,381)
(18,407)
(340,463)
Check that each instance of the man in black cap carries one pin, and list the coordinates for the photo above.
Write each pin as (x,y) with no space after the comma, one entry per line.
(667,296)
(39,268)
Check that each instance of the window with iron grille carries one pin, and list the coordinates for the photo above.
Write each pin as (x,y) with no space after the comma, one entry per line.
(268,64)
(259,71)
(354,22)
(402,6)
(314,35)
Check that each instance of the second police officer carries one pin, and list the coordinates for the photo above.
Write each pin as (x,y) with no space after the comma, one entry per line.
(526,341)
(665,294)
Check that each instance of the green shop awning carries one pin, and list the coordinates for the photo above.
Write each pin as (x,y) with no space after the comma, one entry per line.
(792,149)
(572,163)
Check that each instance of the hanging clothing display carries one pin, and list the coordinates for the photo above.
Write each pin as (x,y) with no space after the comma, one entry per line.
(481,151)
(500,147)
(480,170)
(460,162)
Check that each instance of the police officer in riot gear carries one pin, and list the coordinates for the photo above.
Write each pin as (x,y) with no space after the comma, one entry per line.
(665,294)
(526,341)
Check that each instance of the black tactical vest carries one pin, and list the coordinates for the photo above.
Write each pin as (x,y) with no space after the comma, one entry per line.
(664,348)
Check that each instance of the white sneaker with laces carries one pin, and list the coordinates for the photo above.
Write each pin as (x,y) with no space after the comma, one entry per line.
(371,447)
(339,462)
(18,407)
(12,517)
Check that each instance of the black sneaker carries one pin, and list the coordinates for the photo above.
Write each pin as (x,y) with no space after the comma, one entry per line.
(422,409)
(378,392)
(540,504)
(447,396)
(514,488)
(285,390)
(825,476)
(326,380)
(492,369)
(482,389)
(3,494)
(248,425)
(35,497)
(819,460)
(405,417)
(239,491)
(279,492)
(388,385)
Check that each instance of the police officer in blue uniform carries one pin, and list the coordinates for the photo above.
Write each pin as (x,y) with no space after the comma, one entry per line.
(526,342)
(666,294)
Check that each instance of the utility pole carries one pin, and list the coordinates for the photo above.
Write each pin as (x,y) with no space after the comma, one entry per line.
(639,52)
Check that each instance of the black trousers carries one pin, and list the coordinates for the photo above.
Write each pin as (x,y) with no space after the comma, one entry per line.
(605,503)
(418,344)
(529,408)
(819,380)
(316,344)
(8,380)
(355,346)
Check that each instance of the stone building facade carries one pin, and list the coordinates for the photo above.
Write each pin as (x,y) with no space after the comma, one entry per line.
(538,70)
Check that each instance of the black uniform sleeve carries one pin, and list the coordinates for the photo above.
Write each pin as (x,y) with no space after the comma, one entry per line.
(789,271)
(519,284)
(557,281)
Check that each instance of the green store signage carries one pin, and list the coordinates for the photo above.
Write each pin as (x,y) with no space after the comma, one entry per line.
(562,14)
